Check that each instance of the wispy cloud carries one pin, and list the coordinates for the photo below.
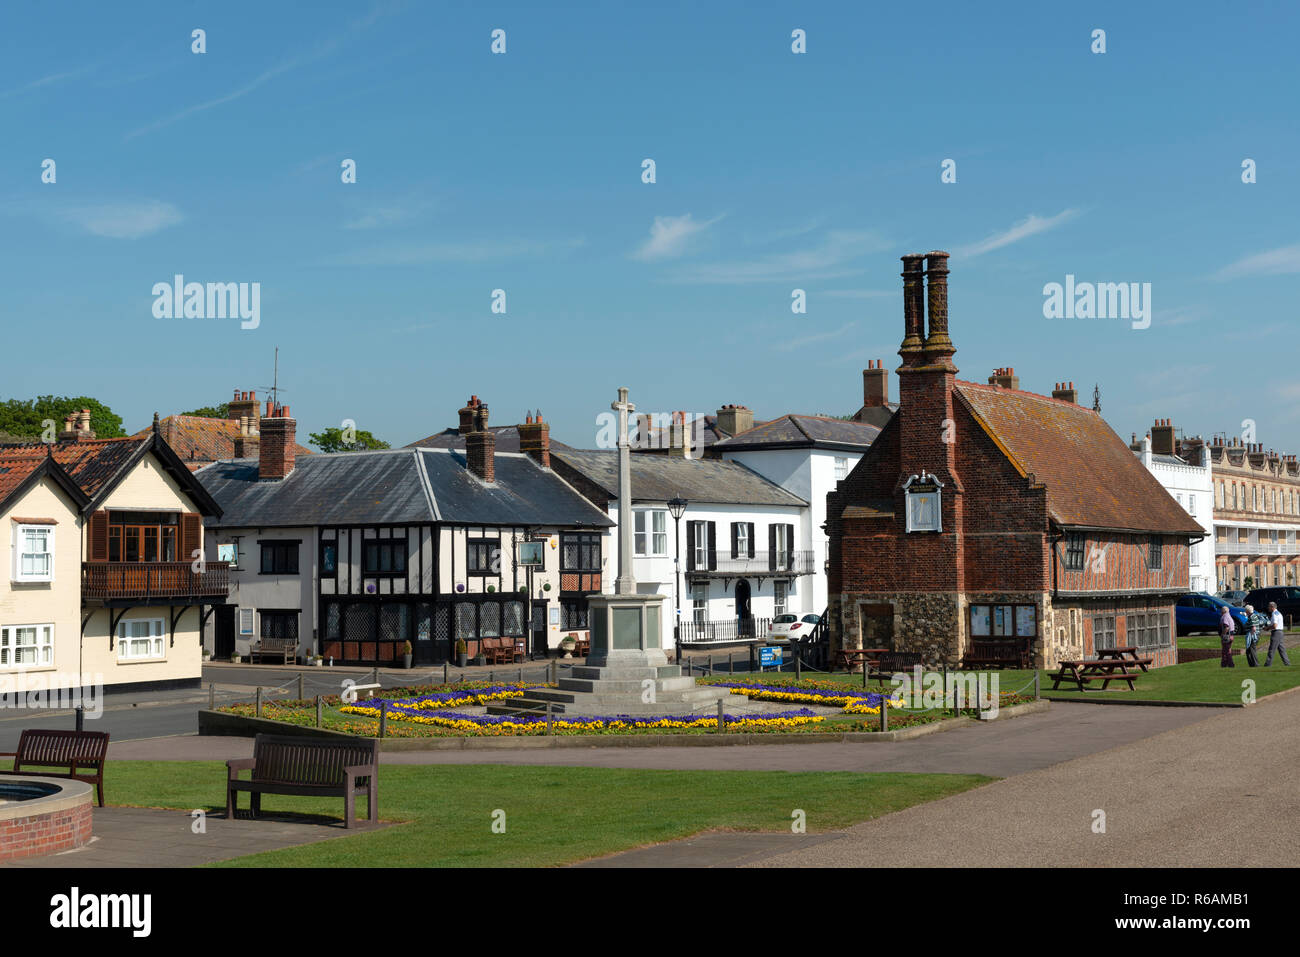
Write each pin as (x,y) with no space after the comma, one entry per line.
(49,80)
(122,220)
(284,67)
(324,49)
(793,344)
(390,214)
(415,254)
(1274,262)
(1031,225)
(669,236)
(829,259)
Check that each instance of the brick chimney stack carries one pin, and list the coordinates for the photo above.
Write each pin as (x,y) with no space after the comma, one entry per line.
(275,453)
(1005,378)
(76,427)
(1162,437)
(480,443)
(244,404)
(467,415)
(875,384)
(734,419)
(1066,392)
(913,309)
(535,439)
(939,349)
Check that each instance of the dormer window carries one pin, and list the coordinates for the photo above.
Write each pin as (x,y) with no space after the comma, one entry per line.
(923,503)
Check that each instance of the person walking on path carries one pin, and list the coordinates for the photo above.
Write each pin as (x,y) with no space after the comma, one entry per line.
(1226,628)
(1278,630)
(1256,621)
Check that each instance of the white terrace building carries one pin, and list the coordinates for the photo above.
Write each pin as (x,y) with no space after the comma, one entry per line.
(741,553)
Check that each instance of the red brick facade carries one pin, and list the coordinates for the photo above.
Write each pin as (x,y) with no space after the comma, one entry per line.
(40,834)
(1030,488)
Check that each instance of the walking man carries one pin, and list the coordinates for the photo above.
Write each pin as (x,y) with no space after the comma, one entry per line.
(1276,643)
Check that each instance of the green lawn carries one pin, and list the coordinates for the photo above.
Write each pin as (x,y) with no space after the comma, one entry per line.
(1194,681)
(553,815)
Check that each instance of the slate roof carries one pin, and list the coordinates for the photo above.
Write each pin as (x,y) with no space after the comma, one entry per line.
(199,439)
(1093,479)
(804,431)
(394,487)
(507,439)
(658,478)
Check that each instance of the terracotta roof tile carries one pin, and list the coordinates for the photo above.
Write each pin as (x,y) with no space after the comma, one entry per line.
(1091,475)
(200,440)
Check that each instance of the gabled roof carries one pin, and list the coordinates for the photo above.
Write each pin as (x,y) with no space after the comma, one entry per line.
(98,465)
(21,467)
(1093,480)
(804,431)
(396,486)
(198,440)
(507,438)
(658,478)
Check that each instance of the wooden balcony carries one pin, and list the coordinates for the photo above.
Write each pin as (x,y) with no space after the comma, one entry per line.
(154,581)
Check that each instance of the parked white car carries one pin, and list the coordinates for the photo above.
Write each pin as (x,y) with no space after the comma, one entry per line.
(787,627)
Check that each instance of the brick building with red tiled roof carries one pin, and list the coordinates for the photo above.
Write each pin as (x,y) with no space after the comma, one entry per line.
(200,440)
(984,514)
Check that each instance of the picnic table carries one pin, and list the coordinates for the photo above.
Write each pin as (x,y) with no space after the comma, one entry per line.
(1086,670)
(1126,653)
(851,657)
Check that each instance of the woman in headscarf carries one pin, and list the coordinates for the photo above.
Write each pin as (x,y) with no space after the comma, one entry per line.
(1226,629)
(1255,621)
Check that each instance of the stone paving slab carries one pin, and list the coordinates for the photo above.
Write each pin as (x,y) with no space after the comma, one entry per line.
(148,837)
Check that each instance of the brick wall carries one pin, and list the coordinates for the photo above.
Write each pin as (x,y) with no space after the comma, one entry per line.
(49,833)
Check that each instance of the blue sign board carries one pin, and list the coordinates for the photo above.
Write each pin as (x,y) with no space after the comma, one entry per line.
(769,656)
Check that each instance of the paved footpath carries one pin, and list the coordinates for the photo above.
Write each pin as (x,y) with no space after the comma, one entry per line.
(1223,792)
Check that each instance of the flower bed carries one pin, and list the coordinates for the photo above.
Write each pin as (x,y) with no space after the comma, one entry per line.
(852,702)
(475,724)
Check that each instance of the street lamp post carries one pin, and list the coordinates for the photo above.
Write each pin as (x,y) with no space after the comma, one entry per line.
(676,508)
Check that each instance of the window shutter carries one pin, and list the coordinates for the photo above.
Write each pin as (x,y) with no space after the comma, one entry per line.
(771,548)
(98,548)
(690,545)
(191,535)
(735,539)
(713,545)
(789,546)
(751,540)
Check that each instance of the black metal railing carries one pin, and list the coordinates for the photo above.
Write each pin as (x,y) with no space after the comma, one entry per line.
(789,562)
(723,632)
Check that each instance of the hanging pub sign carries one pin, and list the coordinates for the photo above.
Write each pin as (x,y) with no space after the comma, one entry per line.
(530,553)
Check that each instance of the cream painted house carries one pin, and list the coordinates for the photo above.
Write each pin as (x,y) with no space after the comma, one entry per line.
(104,580)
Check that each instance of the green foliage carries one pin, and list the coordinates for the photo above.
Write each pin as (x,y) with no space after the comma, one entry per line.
(212,411)
(1248,583)
(332,440)
(24,417)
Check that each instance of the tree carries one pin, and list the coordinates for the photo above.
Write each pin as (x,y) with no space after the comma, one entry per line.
(337,440)
(212,411)
(26,417)
(1248,583)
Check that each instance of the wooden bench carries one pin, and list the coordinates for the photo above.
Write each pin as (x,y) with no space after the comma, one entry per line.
(305,766)
(891,663)
(996,654)
(500,651)
(286,649)
(78,751)
(1085,671)
(849,658)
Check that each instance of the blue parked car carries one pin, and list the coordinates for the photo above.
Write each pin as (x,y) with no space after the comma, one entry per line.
(1201,612)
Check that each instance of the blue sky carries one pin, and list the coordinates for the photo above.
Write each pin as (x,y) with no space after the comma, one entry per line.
(522,171)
